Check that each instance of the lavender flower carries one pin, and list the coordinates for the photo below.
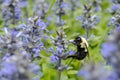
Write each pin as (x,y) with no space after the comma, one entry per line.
(14,64)
(59,53)
(60,11)
(54,58)
(10,42)
(87,20)
(60,45)
(108,48)
(17,67)
(96,72)
(115,6)
(96,5)
(32,36)
(111,50)
(11,11)
(114,21)
(40,23)
(23,3)
(41,8)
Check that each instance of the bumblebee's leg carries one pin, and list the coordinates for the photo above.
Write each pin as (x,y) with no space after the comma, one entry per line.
(70,61)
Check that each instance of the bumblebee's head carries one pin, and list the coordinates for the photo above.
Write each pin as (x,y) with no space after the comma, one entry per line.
(79,40)
(76,41)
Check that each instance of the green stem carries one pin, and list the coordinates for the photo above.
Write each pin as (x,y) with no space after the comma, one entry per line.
(52,4)
(59,71)
(87,33)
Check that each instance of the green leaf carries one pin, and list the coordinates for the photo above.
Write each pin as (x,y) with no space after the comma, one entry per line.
(51,6)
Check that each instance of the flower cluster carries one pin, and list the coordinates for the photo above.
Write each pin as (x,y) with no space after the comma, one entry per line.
(10,43)
(115,19)
(115,6)
(41,8)
(61,50)
(60,11)
(96,72)
(60,43)
(111,51)
(18,67)
(14,64)
(11,11)
(32,35)
(88,21)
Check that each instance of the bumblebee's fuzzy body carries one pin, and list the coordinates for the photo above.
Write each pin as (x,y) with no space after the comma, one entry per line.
(82,48)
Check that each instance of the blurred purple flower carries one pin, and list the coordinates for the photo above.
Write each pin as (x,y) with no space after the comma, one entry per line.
(18,67)
(9,68)
(87,20)
(81,18)
(108,49)
(83,73)
(41,24)
(6,57)
(111,21)
(36,51)
(64,5)
(95,72)
(17,13)
(22,26)
(115,7)
(118,28)
(11,12)
(113,76)
(34,68)
(32,36)
(10,42)
(54,58)
(97,8)
(112,0)
(37,48)
(6,2)
(22,3)
(60,49)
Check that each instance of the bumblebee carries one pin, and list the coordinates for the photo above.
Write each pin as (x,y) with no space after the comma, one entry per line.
(82,48)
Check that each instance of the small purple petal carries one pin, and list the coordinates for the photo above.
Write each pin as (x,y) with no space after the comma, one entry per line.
(114,7)
(54,58)
(118,28)
(41,24)
(34,68)
(80,18)
(6,56)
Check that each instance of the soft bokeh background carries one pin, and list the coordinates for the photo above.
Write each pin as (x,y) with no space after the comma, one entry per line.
(71,20)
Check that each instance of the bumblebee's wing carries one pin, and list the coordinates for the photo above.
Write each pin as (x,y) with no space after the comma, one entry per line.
(87,51)
(85,45)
